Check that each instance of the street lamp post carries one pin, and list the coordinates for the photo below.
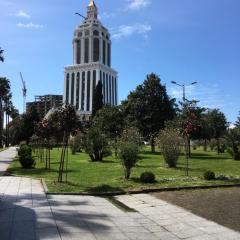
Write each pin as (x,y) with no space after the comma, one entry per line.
(187,141)
(183,88)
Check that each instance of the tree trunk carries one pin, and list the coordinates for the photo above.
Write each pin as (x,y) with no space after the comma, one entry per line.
(205,145)
(189,147)
(63,154)
(1,124)
(152,140)
(127,173)
(218,146)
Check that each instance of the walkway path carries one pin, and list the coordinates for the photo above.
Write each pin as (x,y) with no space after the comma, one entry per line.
(26,213)
(171,222)
(6,157)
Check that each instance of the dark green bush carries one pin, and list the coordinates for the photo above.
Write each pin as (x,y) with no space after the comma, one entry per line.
(209,175)
(147,177)
(25,157)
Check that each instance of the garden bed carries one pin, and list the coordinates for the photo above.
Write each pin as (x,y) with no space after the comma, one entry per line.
(221,205)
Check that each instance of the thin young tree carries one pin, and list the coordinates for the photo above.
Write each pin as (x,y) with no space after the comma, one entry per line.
(66,121)
(1,55)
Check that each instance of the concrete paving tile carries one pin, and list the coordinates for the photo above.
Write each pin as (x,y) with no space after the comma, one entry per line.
(111,235)
(6,215)
(166,236)
(80,236)
(24,214)
(23,230)
(142,236)
(45,223)
(48,234)
(5,230)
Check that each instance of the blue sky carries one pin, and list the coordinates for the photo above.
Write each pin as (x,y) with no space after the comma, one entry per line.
(180,40)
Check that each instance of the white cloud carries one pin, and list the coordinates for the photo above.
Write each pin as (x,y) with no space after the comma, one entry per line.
(29,25)
(23,14)
(137,4)
(128,30)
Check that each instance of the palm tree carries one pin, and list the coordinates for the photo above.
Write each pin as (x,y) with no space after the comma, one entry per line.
(1,55)
(5,96)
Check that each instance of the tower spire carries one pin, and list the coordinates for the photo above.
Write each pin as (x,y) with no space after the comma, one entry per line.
(92,11)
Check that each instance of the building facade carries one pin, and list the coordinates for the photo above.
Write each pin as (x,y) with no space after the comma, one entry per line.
(91,63)
(44,103)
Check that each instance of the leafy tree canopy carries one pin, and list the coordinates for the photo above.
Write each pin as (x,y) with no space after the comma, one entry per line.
(149,106)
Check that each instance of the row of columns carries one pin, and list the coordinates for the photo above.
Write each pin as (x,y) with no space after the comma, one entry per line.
(79,87)
(81,59)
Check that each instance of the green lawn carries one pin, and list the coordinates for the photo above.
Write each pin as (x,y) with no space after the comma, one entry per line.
(84,175)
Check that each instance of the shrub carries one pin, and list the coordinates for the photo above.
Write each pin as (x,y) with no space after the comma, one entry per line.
(95,143)
(76,143)
(128,153)
(25,157)
(128,150)
(147,177)
(169,142)
(209,175)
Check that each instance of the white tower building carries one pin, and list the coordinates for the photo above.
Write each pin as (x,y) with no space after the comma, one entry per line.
(91,63)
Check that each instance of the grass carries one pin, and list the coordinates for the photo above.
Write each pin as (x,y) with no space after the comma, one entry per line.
(84,175)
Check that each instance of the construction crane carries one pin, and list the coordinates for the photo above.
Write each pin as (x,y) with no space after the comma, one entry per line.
(24,92)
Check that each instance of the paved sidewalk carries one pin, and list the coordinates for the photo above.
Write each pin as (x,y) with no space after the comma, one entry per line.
(171,222)
(6,158)
(27,214)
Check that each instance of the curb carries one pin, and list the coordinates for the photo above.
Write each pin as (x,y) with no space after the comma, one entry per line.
(166,189)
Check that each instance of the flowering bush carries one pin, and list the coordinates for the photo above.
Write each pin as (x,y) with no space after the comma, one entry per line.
(170,144)
(129,149)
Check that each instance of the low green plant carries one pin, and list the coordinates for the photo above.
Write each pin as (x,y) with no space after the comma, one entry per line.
(147,177)
(25,157)
(209,175)
(128,147)
(170,144)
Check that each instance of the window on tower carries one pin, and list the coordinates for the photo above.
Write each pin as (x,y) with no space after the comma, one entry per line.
(83,91)
(78,60)
(94,82)
(96,50)
(104,51)
(88,89)
(109,55)
(95,32)
(67,89)
(86,54)
(77,90)
(72,89)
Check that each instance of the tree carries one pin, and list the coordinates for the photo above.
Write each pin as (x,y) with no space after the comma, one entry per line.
(237,124)
(110,119)
(44,130)
(95,143)
(1,55)
(170,144)
(217,125)
(97,98)
(149,107)
(129,144)
(233,140)
(65,120)
(4,97)
(31,119)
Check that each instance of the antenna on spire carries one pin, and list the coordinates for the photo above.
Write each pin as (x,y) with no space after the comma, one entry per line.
(81,15)
(24,92)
